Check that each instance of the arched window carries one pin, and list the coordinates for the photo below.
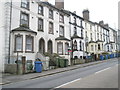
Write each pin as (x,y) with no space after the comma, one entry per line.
(50,47)
(42,46)
(80,46)
(98,46)
(75,45)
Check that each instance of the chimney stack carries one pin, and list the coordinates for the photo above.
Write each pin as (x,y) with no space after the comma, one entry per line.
(59,4)
(86,14)
(101,23)
(106,26)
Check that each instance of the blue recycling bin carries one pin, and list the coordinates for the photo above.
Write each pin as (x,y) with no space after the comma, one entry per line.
(110,55)
(101,57)
(106,56)
(38,66)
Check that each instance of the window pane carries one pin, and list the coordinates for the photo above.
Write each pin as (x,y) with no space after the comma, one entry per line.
(25,4)
(29,43)
(61,31)
(66,48)
(50,27)
(75,45)
(40,24)
(40,9)
(80,46)
(24,19)
(51,14)
(61,18)
(91,47)
(60,47)
(19,43)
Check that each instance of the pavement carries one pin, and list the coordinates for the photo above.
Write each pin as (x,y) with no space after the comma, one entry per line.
(9,78)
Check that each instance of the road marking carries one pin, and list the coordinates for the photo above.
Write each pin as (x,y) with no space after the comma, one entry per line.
(102,70)
(68,83)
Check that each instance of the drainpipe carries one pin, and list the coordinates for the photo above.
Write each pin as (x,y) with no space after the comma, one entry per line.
(10,32)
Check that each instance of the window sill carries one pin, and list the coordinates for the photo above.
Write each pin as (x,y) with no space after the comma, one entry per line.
(51,33)
(66,54)
(29,52)
(18,51)
(60,54)
(61,22)
(75,50)
(25,8)
(40,14)
(51,18)
(40,30)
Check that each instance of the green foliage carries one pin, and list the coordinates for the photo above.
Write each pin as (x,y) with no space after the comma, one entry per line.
(51,56)
(30,67)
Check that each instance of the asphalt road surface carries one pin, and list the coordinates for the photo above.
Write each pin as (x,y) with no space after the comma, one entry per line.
(103,75)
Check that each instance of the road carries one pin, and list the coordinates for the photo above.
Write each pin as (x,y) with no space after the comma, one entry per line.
(103,75)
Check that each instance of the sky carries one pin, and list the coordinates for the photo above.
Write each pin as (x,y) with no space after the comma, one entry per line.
(106,10)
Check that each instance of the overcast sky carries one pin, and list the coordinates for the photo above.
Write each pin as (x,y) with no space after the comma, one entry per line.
(106,10)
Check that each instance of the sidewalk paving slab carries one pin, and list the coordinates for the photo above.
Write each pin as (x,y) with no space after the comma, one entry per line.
(8,78)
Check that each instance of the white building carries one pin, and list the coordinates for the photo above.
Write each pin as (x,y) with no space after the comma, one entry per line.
(35,28)
(113,39)
(77,36)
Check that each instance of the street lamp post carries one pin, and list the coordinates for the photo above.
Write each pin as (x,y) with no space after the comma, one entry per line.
(86,42)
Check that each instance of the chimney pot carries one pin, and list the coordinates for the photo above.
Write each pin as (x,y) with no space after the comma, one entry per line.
(86,14)
(59,4)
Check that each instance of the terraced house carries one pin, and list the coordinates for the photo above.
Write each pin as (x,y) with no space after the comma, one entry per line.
(77,36)
(33,29)
(36,28)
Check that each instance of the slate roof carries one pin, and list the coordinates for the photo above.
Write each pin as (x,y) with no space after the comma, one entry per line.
(62,38)
(21,28)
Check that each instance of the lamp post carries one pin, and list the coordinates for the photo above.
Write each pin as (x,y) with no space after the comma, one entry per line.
(86,43)
(17,62)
